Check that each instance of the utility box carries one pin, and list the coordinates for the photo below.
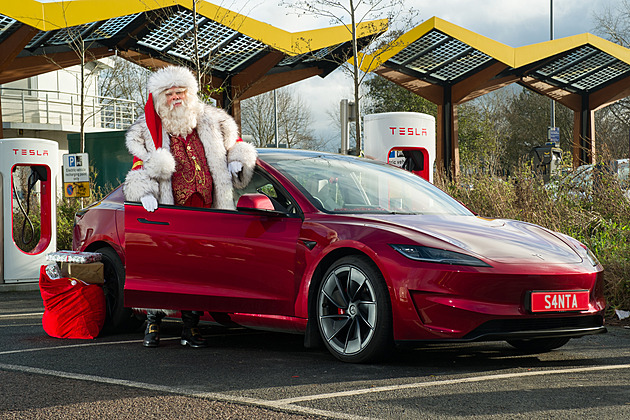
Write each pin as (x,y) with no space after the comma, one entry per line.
(403,139)
(28,208)
(546,160)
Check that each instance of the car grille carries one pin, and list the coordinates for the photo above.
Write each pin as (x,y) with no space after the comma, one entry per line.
(508,326)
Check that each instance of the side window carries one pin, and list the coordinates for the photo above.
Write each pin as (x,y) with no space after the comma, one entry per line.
(262,184)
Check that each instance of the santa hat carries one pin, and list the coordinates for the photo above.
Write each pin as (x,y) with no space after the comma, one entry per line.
(165,78)
(172,76)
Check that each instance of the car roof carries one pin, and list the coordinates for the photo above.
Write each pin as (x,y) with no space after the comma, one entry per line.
(295,153)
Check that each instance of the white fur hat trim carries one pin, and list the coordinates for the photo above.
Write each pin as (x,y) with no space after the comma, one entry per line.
(172,76)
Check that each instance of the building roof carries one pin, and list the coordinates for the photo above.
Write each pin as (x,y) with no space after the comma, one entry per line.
(43,37)
(438,54)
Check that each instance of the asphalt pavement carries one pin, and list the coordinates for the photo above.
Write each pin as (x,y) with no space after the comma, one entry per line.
(266,375)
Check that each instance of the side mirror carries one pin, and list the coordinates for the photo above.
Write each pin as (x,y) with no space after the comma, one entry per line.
(256,202)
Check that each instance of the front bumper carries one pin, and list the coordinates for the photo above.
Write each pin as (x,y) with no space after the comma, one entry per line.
(520,329)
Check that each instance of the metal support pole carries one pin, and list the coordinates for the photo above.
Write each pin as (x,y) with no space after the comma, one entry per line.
(553,103)
(275,117)
(585,131)
(448,135)
(1,135)
(345,134)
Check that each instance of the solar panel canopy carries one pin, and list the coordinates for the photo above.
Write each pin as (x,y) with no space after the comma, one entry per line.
(450,65)
(247,56)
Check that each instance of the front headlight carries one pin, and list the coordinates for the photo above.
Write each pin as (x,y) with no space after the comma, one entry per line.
(590,256)
(438,256)
(582,250)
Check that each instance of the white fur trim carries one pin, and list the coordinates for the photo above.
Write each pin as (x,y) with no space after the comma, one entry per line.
(160,164)
(136,139)
(172,76)
(246,154)
(138,184)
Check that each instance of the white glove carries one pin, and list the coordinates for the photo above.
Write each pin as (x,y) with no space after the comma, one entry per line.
(149,203)
(235,167)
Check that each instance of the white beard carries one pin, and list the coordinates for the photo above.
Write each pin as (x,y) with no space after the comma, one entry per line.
(179,120)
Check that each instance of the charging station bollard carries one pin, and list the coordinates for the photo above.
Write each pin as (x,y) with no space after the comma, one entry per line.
(28,210)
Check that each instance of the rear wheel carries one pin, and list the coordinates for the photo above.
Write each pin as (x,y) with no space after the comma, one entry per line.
(118,318)
(539,345)
(354,311)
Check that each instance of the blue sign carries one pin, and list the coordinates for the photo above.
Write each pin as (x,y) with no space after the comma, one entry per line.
(554,134)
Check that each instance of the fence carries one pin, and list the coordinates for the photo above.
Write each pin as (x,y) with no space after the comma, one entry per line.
(53,107)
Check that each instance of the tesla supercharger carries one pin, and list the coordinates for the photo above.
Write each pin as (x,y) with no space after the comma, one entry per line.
(28,168)
(404,139)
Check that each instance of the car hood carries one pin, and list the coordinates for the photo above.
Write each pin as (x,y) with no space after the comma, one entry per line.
(500,240)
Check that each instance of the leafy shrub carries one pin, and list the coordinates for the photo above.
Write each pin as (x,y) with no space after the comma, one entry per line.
(67,207)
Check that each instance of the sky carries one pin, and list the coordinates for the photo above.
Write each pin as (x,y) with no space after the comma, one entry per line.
(511,22)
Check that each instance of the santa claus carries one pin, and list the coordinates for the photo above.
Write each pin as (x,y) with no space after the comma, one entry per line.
(186,153)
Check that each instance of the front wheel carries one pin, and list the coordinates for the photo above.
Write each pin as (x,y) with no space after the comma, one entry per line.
(539,345)
(118,318)
(354,311)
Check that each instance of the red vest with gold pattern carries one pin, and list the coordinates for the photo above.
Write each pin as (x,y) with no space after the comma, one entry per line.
(192,175)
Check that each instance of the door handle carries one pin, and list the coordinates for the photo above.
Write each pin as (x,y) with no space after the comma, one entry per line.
(151,222)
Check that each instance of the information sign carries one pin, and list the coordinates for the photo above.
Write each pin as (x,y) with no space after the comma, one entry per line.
(76,175)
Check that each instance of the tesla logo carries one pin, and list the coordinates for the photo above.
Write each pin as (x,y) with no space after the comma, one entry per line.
(409,131)
(30,152)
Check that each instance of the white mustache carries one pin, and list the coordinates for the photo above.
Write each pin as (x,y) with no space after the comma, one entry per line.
(177,102)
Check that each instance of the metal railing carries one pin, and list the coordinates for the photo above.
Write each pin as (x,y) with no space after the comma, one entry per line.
(63,108)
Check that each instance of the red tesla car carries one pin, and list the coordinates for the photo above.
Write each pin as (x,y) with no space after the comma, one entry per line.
(352,253)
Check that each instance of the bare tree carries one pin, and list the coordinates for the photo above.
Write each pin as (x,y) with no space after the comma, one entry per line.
(124,80)
(294,120)
(76,41)
(614,120)
(351,13)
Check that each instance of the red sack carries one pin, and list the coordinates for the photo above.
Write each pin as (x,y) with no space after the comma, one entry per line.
(71,310)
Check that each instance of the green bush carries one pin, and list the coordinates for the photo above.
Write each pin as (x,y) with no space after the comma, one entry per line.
(67,207)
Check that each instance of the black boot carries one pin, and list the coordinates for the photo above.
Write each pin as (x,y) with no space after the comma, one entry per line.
(152,333)
(190,334)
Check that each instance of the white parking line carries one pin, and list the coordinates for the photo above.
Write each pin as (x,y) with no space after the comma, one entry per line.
(183,391)
(446,382)
(288,404)
(69,346)
(103,343)
(32,314)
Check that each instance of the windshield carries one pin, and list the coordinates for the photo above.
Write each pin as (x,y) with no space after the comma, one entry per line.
(345,184)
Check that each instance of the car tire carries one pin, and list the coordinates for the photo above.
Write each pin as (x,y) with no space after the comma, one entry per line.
(539,345)
(118,318)
(353,311)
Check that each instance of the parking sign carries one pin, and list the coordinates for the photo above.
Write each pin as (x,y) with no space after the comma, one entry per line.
(76,175)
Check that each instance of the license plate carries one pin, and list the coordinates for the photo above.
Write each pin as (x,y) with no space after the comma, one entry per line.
(559,301)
